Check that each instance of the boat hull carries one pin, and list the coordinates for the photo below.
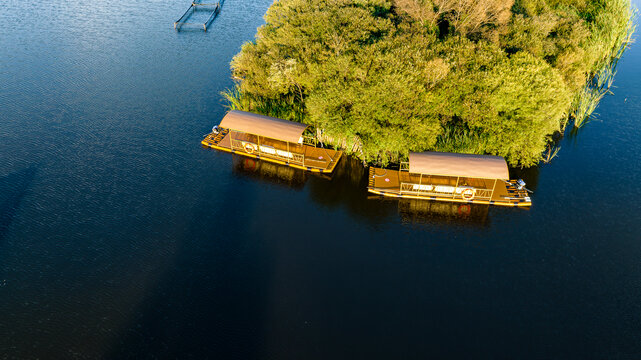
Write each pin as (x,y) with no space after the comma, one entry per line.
(504,194)
(218,141)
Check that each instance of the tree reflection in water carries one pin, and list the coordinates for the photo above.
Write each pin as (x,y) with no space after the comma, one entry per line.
(347,188)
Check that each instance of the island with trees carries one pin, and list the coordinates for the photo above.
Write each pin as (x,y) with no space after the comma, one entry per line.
(381,78)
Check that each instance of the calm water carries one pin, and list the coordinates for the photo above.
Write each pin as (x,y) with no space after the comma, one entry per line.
(121,237)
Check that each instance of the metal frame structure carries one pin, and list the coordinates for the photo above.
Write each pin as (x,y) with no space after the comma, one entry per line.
(429,189)
(258,149)
(259,146)
(178,24)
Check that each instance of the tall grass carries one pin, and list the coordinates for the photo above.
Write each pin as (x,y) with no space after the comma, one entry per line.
(611,28)
(287,107)
(458,140)
(550,153)
(236,100)
(600,82)
(585,102)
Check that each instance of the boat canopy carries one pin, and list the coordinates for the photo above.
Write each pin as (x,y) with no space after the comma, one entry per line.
(466,165)
(266,126)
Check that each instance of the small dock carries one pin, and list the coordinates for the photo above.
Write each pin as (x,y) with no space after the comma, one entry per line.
(211,10)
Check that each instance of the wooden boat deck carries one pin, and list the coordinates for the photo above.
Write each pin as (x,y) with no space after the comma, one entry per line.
(388,182)
(314,159)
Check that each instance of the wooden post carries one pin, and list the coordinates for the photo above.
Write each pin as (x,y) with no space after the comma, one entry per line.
(493,189)
(456,187)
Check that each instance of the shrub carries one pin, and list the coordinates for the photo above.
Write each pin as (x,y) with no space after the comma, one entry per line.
(380,78)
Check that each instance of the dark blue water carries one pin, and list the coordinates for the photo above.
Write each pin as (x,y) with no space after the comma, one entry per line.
(121,237)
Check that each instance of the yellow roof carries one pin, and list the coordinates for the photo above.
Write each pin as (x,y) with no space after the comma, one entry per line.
(451,164)
(266,126)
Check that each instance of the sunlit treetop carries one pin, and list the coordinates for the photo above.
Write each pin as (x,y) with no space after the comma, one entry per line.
(381,78)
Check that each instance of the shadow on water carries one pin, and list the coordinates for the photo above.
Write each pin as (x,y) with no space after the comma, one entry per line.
(347,188)
(223,280)
(269,172)
(529,175)
(442,213)
(573,133)
(214,292)
(13,188)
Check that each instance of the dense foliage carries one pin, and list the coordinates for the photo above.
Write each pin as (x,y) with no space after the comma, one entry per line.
(383,77)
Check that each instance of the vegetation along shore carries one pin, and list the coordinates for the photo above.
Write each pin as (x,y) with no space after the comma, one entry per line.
(380,78)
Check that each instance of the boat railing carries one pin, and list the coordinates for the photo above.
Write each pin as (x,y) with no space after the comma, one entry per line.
(269,151)
(405,166)
(446,191)
(483,194)
(310,140)
(298,158)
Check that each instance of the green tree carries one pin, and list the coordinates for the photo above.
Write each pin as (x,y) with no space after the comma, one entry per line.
(380,78)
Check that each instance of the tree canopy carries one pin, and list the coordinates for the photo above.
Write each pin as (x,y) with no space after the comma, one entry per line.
(380,78)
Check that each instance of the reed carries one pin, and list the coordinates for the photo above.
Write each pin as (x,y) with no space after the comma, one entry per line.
(587,98)
(460,141)
(585,102)
(623,37)
(396,87)
(287,108)
(236,100)
(550,153)
(601,80)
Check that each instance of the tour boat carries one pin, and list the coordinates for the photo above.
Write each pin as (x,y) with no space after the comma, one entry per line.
(463,178)
(271,139)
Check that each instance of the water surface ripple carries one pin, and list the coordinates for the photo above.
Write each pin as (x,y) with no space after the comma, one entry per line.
(121,237)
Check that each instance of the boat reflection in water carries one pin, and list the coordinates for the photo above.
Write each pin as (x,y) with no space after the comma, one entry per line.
(269,172)
(439,212)
(347,188)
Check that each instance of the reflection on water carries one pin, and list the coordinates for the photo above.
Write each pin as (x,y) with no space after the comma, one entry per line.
(269,172)
(529,175)
(441,212)
(347,187)
(129,240)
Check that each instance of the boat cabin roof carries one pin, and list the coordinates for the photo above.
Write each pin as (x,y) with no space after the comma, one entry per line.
(466,165)
(262,125)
